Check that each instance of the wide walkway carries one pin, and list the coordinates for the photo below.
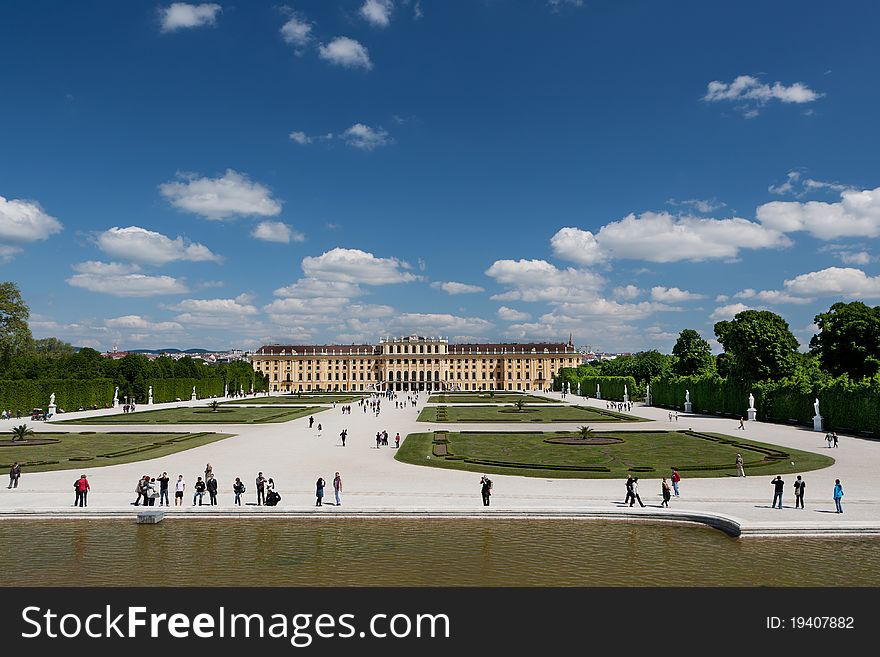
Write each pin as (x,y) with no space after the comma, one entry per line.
(374,483)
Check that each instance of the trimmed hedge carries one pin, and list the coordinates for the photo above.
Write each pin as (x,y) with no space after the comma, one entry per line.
(167,390)
(26,394)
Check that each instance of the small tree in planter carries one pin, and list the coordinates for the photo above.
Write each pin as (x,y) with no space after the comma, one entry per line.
(21,432)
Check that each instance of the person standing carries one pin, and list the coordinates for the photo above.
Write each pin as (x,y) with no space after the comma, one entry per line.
(319,429)
(179,487)
(82,488)
(211,485)
(485,489)
(778,486)
(740,471)
(337,489)
(261,489)
(342,435)
(199,491)
(666,490)
(319,492)
(675,479)
(635,493)
(799,487)
(163,488)
(238,489)
(397,441)
(629,489)
(311,421)
(152,492)
(141,490)
(838,494)
(14,475)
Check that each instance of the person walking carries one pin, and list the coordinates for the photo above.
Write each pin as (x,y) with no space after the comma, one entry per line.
(828,439)
(838,494)
(179,487)
(261,489)
(799,487)
(319,429)
(163,488)
(397,441)
(675,479)
(337,489)
(778,486)
(211,485)
(342,435)
(635,493)
(319,492)
(485,489)
(199,489)
(14,475)
(141,490)
(238,489)
(629,489)
(834,437)
(741,424)
(740,471)
(666,490)
(82,490)
(311,421)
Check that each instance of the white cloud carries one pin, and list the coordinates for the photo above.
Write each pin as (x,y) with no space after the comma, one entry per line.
(25,221)
(754,93)
(142,245)
(214,312)
(722,298)
(511,315)
(661,237)
(136,322)
(220,198)
(791,178)
(673,294)
(857,214)
(855,258)
(297,32)
(356,266)
(310,288)
(377,12)
(700,205)
(346,52)
(451,287)
(626,292)
(439,322)
(538,280)
(120,281)
(300,137)
(844,282)
(182,15)
(366,138)
(277,231)
(728,312)
(7,253)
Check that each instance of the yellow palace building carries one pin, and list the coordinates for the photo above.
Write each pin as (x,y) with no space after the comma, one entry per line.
(413,363)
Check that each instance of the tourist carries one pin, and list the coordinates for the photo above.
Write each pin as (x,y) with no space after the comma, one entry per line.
(337,489)
(834,437)
(342,436)
(378,439)
(838,494)
(778,485)
(397,441)
(82,491)
(319,492)
(828,440)
(666,490)
(311,421)
(152,492)
(199,491)
(319,429)
(179,487)
(485,489)
(799,487)
(741,424)
(141,490)
(211,485)
(261,489)
(675,479)
(14,475)
(629,489)
(270,487)
(635,493)
(740,471)
(238,489)
(163,488)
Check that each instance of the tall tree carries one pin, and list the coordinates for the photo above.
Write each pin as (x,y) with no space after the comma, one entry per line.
(52,347)
(15,334)
(848,341)
(760,345)
(693,355)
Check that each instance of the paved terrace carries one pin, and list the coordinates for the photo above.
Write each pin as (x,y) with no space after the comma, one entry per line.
(375,484)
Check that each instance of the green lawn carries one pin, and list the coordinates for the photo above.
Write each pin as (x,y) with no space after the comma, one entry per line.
(648,454)
(203,415)
(532,413)
(305,398)
(486,398)
(88,449)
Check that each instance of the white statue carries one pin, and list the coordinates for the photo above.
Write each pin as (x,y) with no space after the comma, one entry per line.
(816,407)
(52,399)
(625,391)
(116,397)
(751,400)
(225,390)
(687,396)
(579,387)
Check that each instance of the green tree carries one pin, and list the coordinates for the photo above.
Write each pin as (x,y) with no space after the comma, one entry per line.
(642,366)
(21,432)
(15,334)
(52,347)
(520,404)
(760,346)
(848,341)
(693,355)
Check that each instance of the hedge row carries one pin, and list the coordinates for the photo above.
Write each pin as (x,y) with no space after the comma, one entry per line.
(167,390)
(24,394)
(611,387)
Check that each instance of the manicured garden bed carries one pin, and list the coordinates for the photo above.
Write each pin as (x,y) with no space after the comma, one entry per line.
(202,415)
(529,413)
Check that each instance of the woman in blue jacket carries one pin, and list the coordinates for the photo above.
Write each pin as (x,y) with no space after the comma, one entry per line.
(838,493)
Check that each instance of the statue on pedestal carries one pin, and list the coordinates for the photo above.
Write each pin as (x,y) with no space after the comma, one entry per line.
(52,399)
(751,400)
(816,408)
(116,397)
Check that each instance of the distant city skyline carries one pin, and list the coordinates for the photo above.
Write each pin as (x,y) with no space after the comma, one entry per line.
(249,174)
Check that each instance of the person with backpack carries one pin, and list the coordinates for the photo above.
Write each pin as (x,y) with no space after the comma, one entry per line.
(485,489)
(238,489)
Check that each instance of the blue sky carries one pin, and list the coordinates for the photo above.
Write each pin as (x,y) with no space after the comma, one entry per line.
(228,175)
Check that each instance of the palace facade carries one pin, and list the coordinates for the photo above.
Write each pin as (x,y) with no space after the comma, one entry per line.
(413,363)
